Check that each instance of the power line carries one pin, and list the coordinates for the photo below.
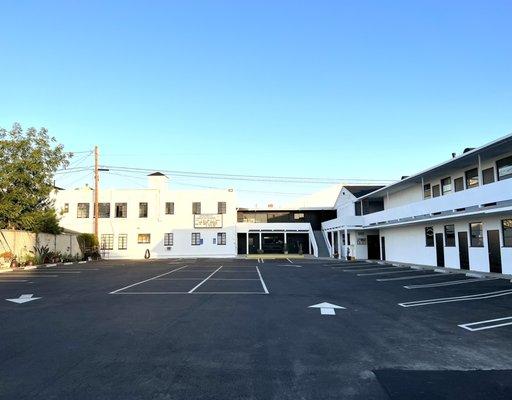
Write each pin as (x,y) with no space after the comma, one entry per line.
(252,178)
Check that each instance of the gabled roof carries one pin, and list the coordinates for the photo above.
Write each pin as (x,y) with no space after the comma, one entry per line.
(465,160)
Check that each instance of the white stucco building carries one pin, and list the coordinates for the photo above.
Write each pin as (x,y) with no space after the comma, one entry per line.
(456,214)
(168,223)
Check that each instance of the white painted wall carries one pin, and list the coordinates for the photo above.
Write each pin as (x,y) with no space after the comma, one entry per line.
(407,244)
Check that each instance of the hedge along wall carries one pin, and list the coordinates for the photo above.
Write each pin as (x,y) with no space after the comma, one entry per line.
(21,243)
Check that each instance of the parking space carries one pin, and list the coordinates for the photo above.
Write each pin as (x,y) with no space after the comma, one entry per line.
(204,279)
(430,288)
(239,329)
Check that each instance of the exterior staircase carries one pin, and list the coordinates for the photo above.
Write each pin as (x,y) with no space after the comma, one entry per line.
(323,250)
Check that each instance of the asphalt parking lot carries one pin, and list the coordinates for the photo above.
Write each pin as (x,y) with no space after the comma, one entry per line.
(244,329)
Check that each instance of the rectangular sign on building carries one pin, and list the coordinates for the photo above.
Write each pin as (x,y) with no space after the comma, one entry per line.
(207,221)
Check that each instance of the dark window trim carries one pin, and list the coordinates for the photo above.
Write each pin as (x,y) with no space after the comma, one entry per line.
(167,242)
(466,178)
(125,236)
(458,179)
(471,237)
(223,236)
(446,237)
(145,234)
(196,235)
(509,176)
(503,232)
(442,186)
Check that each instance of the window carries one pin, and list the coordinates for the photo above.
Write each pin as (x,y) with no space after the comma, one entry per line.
(449,235)
(221,207)
(427,191)
(458,184)
(488,175)
(107,242)
(446,185)
(143,210)
(196,208)
(82,210)
(476,233)
(506,226)
(504,167)
(169,208)
(122,241)
(435,191)
(429,236)
(300,216)
(168,239)
(121,210)
(65,209)
(472,178)
(221,238)
(196,239)
(143,238)
(103,210)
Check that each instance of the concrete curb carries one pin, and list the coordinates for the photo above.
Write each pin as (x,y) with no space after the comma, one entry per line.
(5,270)
(446,270)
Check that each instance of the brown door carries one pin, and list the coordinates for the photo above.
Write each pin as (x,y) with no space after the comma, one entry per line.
(439,250)
(373,247)
(463,250)
(493,245)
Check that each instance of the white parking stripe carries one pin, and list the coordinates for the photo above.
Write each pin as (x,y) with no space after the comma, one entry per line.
(204,280)
(449,283)
(478,296)
(187,293)
(29,276)
(262,282)
(471,326)
(404,278)
(404,271)
(374,269)
(146,280)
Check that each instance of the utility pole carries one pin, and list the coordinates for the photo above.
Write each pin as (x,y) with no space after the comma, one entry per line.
(96,189)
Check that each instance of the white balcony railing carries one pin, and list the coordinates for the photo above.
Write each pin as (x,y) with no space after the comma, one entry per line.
(490,193)
(346,220)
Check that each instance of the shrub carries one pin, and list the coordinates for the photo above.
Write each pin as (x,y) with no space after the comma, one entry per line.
(87,242)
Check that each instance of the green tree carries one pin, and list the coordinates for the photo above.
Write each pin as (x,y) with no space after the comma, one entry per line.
(29,160)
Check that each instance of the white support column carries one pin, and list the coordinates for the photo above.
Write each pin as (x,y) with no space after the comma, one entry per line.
(480,175)
(339,243)
(247,243)
(285,237)
(260,244)
(346,242)
(332,243)
(309,242)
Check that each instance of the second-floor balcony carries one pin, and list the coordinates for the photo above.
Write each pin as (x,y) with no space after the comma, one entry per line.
(471,200)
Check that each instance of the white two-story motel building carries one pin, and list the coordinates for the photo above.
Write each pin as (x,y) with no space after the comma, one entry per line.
(456,214)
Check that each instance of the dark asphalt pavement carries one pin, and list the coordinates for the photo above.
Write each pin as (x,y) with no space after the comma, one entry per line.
(131,330)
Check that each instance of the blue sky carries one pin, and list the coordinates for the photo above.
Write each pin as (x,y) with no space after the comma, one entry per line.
(334,89)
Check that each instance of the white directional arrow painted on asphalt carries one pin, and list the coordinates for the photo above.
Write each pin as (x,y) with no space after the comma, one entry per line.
(24,298)
(327,308)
